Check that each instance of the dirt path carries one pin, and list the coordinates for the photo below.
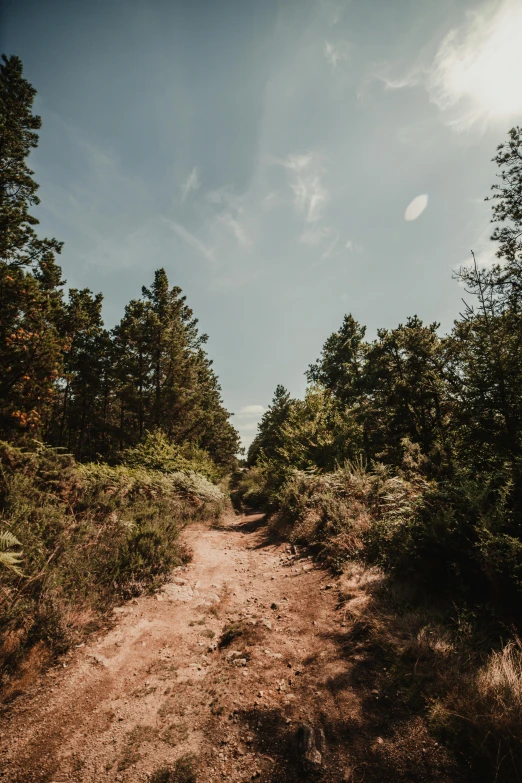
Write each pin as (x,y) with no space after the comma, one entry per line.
(286,699)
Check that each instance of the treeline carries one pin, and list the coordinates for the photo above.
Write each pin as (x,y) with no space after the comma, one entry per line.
(67,380)
(402,469)
(444,411)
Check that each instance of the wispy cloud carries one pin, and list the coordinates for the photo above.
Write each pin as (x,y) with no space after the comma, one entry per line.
(237,229)
(270,200)
(310,194)
(336,52)
(327,252)
(191,184)
(230,210)
(223,195)
(411,79)
(483,249)
(190,239)
(315,235)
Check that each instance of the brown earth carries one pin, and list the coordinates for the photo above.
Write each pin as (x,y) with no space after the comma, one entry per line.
(250,664)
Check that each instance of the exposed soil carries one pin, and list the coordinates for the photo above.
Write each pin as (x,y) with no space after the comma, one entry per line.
(250,664)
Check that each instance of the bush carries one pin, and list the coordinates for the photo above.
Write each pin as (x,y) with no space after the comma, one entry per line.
(457,537)
(353,513)
(252,488)
(90,536)
(157,452)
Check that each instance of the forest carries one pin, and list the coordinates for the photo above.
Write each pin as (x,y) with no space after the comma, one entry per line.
(404,458)
(109,439)
(439,416)
(405,455)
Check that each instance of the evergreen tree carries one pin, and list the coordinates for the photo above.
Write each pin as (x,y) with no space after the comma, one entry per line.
(507,210)
(341,365)
(407,395)
(164,377)
(80,420)
(269,437)
(132,342)
(19,245)
(30,280)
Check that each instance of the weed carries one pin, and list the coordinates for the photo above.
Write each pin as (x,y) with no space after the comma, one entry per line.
(230,633)
(183,771)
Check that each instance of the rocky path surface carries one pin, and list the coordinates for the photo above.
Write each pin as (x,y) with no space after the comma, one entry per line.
(245,666)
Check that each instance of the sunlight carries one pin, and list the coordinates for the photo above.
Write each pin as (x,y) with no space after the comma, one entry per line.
(485,66)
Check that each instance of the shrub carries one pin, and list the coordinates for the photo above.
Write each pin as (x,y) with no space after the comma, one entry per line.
(157,452)
(252,488)
(353,513)
(90,536)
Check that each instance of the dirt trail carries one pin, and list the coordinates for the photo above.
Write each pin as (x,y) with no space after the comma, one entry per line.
(289,698)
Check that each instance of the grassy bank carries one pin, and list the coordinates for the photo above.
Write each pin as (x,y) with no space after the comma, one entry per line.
(89,537)
(420,618)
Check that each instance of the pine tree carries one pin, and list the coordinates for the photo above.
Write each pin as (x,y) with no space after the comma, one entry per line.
(164,378)
(341,365)
(507,210)
(407,394)
(269,438)
(30,280)
(80,420)
(19,245)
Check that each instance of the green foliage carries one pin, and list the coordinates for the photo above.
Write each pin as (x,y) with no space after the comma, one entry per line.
(19,245)
(64,377)
(30,298)
(268,438)
(255,487)
(438,420)
(157,452)
(164,379)
(507,210)
(149,373)
(8,558)
(91,535)
(352,513)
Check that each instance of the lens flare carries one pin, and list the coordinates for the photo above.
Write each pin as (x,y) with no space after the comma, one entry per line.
(416,207)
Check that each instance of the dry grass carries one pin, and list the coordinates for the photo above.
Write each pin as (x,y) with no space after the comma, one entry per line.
(441,666)
(500,681)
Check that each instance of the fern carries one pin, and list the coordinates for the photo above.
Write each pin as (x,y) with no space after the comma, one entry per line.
(9,558)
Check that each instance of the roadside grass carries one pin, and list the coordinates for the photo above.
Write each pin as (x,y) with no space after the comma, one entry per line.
(438,651)
(455,669)
(91,536)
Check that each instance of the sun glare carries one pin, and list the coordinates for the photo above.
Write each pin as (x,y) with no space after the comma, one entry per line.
(485,67)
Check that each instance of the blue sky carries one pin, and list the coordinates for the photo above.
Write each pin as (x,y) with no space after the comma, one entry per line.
(267,154)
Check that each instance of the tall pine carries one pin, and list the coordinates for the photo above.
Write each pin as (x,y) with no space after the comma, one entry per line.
(30,280)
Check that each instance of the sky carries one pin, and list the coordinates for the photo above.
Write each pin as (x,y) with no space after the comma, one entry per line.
(286,161)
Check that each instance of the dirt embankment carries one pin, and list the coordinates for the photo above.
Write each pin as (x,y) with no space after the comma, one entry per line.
(252,663)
